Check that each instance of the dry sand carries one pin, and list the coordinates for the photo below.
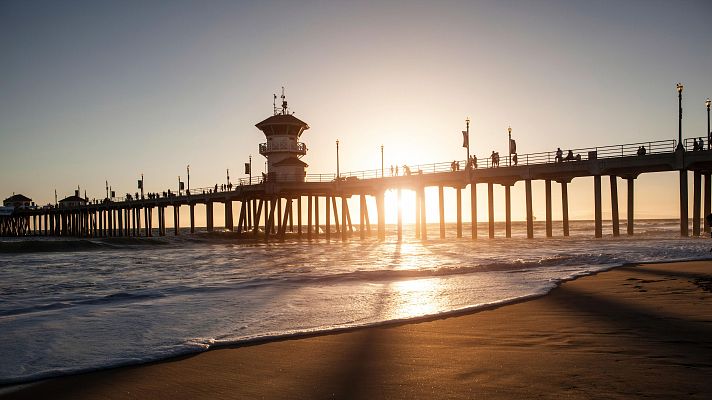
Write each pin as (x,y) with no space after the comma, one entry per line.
(636,331)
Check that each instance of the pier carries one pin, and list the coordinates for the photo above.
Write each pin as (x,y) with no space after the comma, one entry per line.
(270,206)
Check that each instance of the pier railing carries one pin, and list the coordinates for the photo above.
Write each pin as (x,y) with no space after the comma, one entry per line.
(550,157)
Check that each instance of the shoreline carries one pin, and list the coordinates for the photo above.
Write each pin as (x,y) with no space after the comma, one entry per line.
(335,331)
(259,345)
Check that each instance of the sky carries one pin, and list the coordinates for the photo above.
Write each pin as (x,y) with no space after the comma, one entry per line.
(96,91)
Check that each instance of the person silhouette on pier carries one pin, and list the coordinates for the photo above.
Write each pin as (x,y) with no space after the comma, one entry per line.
(559,155)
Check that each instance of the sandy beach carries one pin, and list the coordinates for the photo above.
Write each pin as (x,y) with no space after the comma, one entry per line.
(632,332)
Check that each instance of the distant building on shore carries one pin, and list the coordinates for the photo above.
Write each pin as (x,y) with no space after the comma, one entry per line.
(283,149)
(17,201)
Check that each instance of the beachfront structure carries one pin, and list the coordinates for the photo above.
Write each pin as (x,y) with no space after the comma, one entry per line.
(283,149)
(272,207)
(73,201)
(17,201)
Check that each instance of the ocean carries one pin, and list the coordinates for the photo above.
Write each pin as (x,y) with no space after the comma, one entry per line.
(70,305)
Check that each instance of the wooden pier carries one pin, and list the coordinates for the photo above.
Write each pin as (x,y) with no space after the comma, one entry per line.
(270,208)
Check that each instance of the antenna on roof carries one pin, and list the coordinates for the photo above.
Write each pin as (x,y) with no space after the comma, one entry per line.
(274,104)
(284,103)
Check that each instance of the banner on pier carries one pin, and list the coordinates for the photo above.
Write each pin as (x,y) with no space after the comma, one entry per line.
(247,168)
(465,139)
(140,184)
(512,146)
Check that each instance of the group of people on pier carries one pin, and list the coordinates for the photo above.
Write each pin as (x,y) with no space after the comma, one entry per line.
(699,145)
(406,170)
(569,156)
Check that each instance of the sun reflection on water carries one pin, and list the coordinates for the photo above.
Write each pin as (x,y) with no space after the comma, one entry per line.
(416,297)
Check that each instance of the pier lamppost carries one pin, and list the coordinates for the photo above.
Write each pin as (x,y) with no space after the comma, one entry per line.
(709,134)
(188,170)
(509,145)
(228,177)
(382,161)
(140,186)
(337,159)
(679,88)
(467,140)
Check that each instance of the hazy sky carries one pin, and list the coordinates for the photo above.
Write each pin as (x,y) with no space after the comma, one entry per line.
(95,90)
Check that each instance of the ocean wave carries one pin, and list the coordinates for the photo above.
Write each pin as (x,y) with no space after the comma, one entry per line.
(35,246)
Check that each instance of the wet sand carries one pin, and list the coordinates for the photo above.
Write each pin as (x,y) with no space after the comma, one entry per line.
(636,331)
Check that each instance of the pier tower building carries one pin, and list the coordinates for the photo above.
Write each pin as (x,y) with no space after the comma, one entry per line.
(283,149)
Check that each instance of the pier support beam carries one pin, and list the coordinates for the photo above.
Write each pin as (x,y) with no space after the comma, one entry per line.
(508,211)
(381,217)
(530,212)
(490,208)
(598,216)
(120,224)
(316,216)
(615,220)
(345,215)
(257,207)
(242,219)
(684,222)
(458,202)
(192,218)
(269,217)
(176,219)
(299,217)
(423,219)
(706,204)
(310,208)
(441,203)
(327,228)
(417,214)
(473,209)
(229,224)
(631,197)
(336,214)
(565,207)
(400,216)
(209,215)
(279,216)
(362,216)
(290,201)
(696,202)
(547,190)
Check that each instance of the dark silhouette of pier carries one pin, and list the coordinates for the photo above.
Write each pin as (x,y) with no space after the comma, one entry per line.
(271,205)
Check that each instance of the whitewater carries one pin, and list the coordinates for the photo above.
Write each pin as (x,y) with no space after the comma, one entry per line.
(69,306)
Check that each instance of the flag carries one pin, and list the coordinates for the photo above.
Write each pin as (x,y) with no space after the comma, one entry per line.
(140,184)
(512,146)
(247,168)
(465,139)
